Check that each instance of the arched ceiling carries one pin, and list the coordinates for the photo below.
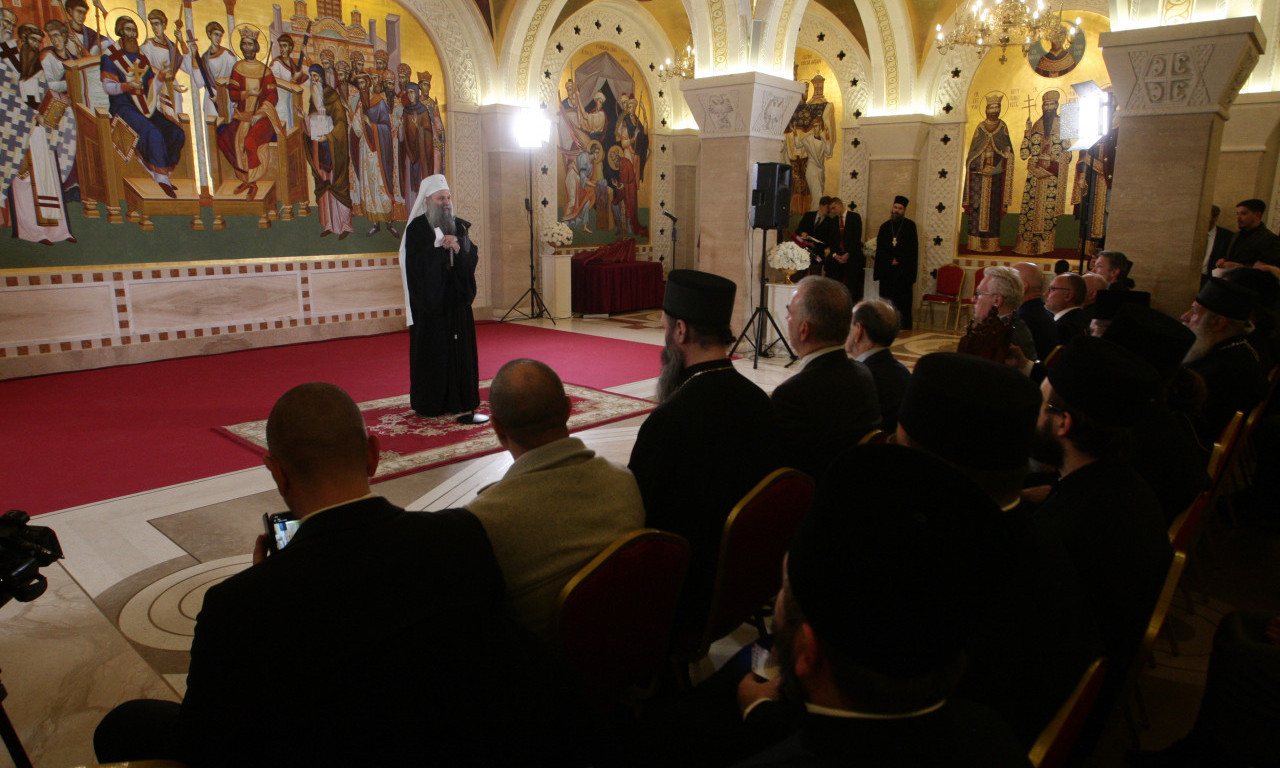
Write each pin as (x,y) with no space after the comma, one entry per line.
(668,13)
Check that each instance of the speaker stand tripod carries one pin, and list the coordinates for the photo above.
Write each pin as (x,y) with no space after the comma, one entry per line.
(759,317)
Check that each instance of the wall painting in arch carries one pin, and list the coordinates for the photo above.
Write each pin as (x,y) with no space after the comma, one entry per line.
(1022,190)
(117,145)
(604,161)
(811,141)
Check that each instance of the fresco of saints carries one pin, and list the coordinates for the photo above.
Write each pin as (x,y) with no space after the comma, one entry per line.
(81,40)
(134,93)
(326,129)
(989,189)
(219,62)
(631,135)
(38,210)
(167,58)
(290,78)
(437,123)
(416,142)
(1048,164)
(254,122)
(53,61)
(374,120)
(1058,60)
(626,208)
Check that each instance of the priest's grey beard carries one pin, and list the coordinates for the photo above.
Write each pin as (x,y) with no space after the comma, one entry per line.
(441,216)
(1198,350)
(672,370)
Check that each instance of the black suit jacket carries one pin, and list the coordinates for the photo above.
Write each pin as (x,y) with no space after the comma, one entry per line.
(891,379)
(1071,325)
(825,408)
(850,242)
(1040,323)
(374,638)
(1221,243)
(1254,245)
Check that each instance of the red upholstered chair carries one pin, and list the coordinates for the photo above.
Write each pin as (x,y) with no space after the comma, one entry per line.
(756,536)
(947,291)
(1055,742)
(968,302)
(614,616)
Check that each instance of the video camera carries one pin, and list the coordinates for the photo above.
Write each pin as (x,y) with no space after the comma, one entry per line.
(24,550)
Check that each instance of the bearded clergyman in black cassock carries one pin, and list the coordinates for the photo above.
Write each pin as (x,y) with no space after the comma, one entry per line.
(438,264)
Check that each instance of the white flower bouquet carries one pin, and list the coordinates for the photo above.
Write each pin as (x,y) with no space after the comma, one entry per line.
(557,233)
(869,248)
(788,256)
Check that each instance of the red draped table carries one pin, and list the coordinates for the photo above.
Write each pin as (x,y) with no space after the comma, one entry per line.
(620,287)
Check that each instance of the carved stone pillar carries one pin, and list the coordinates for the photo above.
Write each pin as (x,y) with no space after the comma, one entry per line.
(1173,88)
(686,189)
(896,147)
(506,183)
(741,117)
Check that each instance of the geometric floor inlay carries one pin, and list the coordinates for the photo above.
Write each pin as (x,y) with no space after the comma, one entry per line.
(163,615)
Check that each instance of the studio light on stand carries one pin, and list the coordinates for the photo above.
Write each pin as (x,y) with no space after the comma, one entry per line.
(532,130)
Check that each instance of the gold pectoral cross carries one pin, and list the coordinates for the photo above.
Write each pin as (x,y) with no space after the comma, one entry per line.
(895,242)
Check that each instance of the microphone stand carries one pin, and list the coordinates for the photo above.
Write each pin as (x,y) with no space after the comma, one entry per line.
(674,220)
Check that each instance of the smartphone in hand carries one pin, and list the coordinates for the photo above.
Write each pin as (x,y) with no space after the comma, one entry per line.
(280,527)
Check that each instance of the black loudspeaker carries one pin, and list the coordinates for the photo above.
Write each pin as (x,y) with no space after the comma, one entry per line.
(771,198)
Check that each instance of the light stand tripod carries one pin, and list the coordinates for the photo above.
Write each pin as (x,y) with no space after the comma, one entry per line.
(537,307)
(758,318)
(10,736)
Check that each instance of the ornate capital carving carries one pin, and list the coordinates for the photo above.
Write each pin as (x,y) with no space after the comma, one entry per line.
(1183,69)
(746,104)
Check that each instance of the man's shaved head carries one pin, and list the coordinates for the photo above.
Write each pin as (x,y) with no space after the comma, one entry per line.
(316,432)
(528,403)
(1094,284)
(1032,279)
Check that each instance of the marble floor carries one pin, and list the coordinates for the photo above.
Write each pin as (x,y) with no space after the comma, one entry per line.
(117,620)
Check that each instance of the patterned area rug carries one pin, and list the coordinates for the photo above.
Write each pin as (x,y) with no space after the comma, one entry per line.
(411,443)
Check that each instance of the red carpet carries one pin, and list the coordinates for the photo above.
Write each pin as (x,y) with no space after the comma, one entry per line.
(73,438)
(410,443)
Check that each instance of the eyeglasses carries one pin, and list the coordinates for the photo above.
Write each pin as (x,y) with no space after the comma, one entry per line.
(976,294)
(1053,408)
(1058,288)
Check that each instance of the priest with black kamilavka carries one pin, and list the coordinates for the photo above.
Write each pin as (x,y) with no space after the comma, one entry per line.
(897,251)
(438,264)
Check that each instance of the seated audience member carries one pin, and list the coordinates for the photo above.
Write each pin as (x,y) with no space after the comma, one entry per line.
(1241,704)
(1109,303)
(1230,367)
(1093,394)
(1061,266)
(1065,301)
(375,637)
(1166,451)
(711,438)
(1039,635)
(1094,284)
(1113,266)
(1265,337)
(881,585)
(1253,242)
(1001,289)
(559,505)
(1032,310)
(829,403)
(874,327)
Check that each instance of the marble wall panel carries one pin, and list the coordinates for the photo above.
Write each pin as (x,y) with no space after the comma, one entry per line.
(156,306)
(356,290)
(56,312)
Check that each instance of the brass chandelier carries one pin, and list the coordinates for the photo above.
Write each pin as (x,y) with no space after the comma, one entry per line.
(1004,23)
(683,67)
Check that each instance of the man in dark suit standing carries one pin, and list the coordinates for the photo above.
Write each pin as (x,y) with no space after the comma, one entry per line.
(1253,242)
(875,326)
(830,403)
(367,640)
(845,263)
(1216,245)
(809,229)
(897,252)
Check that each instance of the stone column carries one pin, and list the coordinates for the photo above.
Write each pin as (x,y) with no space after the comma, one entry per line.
(896,147)
(506,182)
(1173,88)
(685,143)
(741,117)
